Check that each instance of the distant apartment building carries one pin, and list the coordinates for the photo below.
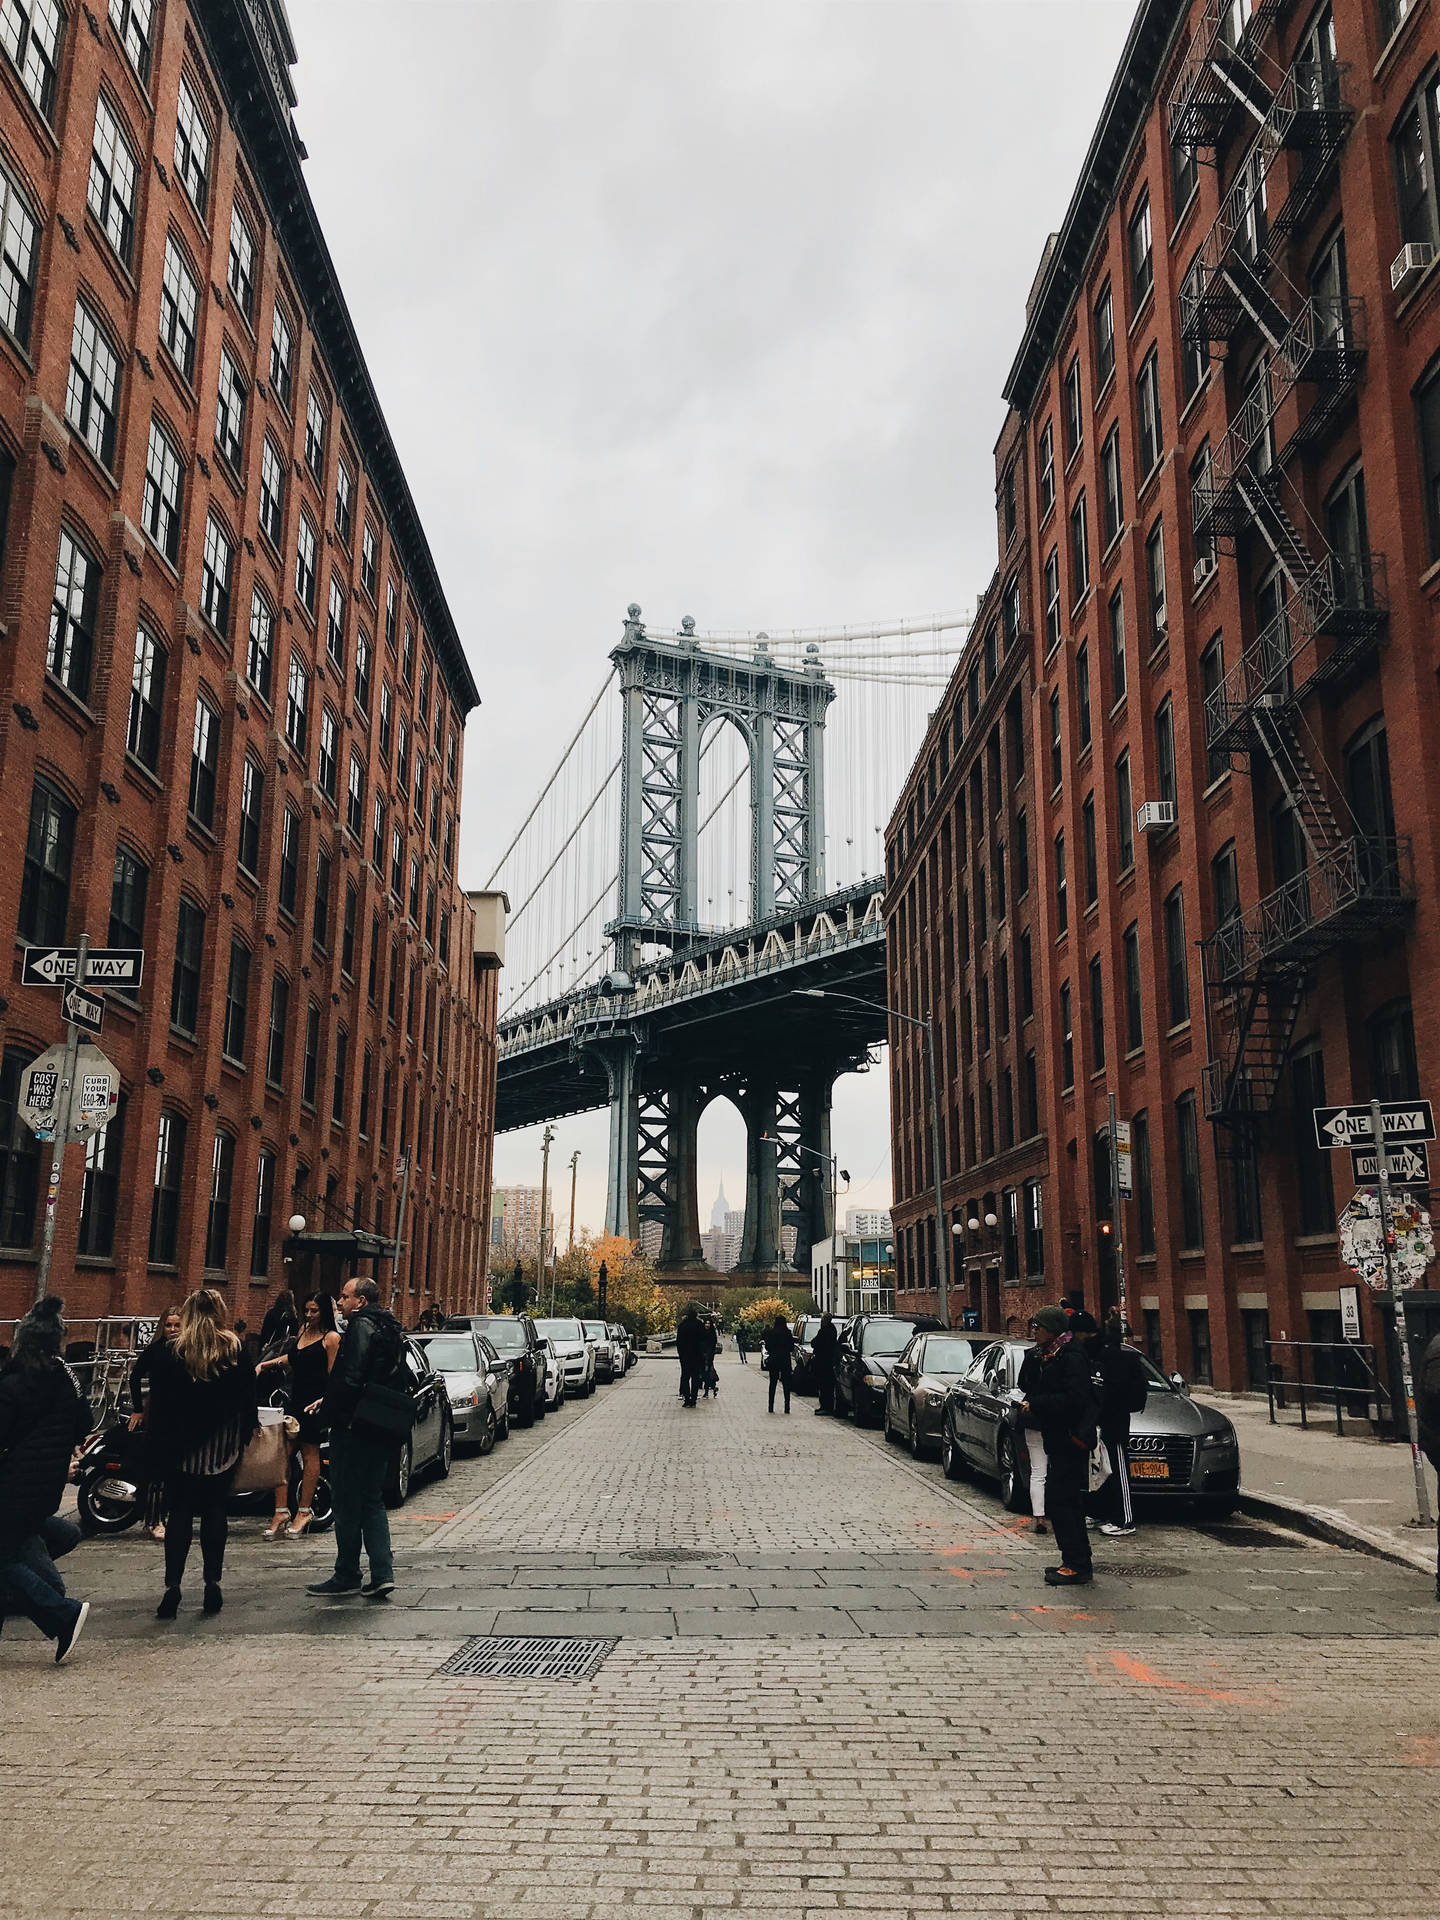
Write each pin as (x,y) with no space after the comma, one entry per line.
(515,1221)
(867,1223)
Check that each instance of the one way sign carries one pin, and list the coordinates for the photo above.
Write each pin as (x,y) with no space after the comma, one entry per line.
(1350,1126)
(107,966)
(1408,1166)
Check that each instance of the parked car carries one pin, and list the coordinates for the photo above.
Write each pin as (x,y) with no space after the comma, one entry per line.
(624,1348)
(477,1381)
(869,1348)
(804,1330)
(514,1338)
(554,1375)
(574,1352)
(919,1381)
(598,1334)
(431,1441)
(1179,1451)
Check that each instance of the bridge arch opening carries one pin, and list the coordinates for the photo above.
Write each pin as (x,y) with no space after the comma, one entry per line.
(724,879)
(720,1144)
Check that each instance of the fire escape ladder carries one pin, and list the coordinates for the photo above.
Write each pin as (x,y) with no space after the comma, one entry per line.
(1254,297)
(1301,784)
(1219,78)
(1276,528)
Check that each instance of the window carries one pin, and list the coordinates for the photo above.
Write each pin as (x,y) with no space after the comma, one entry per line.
(402,758)
(1144,1186)
(237,1000)
(1057,759)
(1034,1229)
(392,991)
(19,235)
(297,703)
(1212,675)
(204,761)
(1392,14)
(1124,814)
(1184,176)
(219,564)
(179,302)
(320,919)
(1134,1011)
(1165,750)
(1194,348)
(377,834)
(275,1037)
(147,699)
(392,614)
(165,1195)
(1147,413)
(160,503)
(252,807)
(369,558)
(1062,890)
(101,1191)
(1187,1141)
(272,494)
(1117,645)
(1155,583)
(373,981)
(449,853)
(347,929)
(1114,503)
(1416,145)
(367,1075)
(344,503)
(315,424)
(397,863)
(129,886)
(311,1068)
(31,34)
(1047,467)
(1177,972)
(240,269)
(1079,551)
(110,194)
(335,626)
(385,721)
(217,1223)
(414,900)
(259,656)
(419,788)
(1082,692)
(1074,410)
(1027,977)
(72,617)
(1097,1016)
(1104,338)
(1247,1228)
(1200,493)
(444,948)
(329,749)
(290,860)
(1010,622)
(355,798)
(192,161)
(1142,255)
(362,669)
(230,412)
(1052,599)
(49,846)
(338,1084)
(185,975)
(131,20)
(282,356)
(424,702)
(305,563)
(407,656)
(260,1230)
(1091,855)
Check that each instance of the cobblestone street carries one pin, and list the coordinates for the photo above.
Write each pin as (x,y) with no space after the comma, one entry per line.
(835,1687)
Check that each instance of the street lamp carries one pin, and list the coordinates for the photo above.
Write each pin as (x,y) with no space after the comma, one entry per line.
(927,1024)
(833,1161)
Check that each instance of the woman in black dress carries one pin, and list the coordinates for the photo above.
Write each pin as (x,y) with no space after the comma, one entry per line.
(309,1356)
(139,1397)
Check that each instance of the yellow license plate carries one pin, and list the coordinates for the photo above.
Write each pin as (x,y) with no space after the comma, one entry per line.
(1149,1469)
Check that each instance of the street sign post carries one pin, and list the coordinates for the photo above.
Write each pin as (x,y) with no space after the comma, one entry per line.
(1408,1166)
(1124,1166)
(1401,1123)
(85,1009)
(1380,1133)
(58,966)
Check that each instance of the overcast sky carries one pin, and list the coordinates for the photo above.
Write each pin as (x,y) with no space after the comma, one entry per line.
(701,303)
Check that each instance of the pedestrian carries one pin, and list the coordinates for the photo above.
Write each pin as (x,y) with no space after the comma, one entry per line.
(43,1417)
(1427,1408)
(280,1325)
(779,1358)
(709,1348)
(1063,1402)
(740,1342)
(164,1336)
(1034,1438)
(1124,1390)
(822,1350)
(201,1415)
(370,1356)
(309,1355)
(690,1347)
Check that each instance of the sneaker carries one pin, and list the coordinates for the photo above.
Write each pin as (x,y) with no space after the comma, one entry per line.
(1091,1522)
(378,1589)
(332,1586)
(1115,1530)
(1042,1526)
(70,1635)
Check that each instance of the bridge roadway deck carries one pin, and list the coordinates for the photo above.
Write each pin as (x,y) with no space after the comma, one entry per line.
(839,1685)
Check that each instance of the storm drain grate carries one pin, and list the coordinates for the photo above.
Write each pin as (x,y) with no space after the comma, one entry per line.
(491,1656)
(1145,1570)
(661,1555)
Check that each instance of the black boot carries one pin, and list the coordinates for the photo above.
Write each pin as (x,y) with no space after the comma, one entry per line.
(169,1604)
(214,1599)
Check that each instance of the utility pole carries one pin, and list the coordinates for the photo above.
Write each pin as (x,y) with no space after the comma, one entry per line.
(1397,1308)
(545,1142)
(404,1171)
(574,1168)
(1117,1215)
(942,1236)
(62,1131)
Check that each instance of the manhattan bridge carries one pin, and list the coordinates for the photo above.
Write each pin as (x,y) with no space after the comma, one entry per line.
(693,870)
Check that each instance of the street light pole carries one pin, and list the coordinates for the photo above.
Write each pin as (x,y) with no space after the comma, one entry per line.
(545,1141)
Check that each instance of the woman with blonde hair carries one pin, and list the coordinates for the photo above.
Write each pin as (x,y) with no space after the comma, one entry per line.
(202,1412)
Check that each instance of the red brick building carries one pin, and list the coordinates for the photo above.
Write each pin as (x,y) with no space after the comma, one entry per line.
(232,695)
(1224,453)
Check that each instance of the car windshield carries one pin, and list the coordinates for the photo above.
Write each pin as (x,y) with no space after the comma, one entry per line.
(597,1327)
(943,1355)
(506,1335)
(450,1353)
(809,1328)
(886,1336)
(559,1330)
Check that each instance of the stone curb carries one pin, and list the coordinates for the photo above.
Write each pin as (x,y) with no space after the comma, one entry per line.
(1324,1523)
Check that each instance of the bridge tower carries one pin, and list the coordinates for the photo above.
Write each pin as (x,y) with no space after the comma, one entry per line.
(673,691)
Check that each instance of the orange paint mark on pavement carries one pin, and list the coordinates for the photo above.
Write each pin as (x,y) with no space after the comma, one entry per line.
(1130,1668)
(1420,1749)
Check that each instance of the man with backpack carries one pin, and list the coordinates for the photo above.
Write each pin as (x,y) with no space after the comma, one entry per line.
(1124,1389)
(366,1399)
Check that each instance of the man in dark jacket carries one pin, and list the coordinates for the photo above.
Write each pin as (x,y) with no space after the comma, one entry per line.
(779,1358)
(822,1350)
(1124,1388)
(1427,1409)
(43,1418)
(1063,1404)
(690,1347)
(360,1455)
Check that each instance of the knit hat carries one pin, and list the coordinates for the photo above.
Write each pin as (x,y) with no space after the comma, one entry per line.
(1053,1319)
(41,1329)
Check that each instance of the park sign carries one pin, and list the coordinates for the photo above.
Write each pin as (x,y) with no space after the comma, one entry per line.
(1405,1124)
(81,1107)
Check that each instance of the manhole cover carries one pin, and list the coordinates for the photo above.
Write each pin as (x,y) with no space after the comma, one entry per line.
(526,1657)
(1145,1570)
(666,1554)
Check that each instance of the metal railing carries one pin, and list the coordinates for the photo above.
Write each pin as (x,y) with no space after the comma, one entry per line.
(1343,1376)
(1211,41)
(1364,877)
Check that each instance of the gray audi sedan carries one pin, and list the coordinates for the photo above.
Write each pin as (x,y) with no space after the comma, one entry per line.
(477,1381)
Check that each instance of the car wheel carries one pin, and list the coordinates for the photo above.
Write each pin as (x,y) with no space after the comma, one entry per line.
(916,1451)
(397,1487)
(447,1448)
(951,1458)
(1012,1494)
(487,1434)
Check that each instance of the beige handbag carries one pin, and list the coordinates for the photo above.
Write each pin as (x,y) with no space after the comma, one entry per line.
(265,1461)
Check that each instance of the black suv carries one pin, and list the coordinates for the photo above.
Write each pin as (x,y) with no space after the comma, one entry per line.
(868,1349)
(514,1338)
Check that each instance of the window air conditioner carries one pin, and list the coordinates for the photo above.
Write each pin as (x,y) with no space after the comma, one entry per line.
(1202,571)
(1409,263)
(1153,816)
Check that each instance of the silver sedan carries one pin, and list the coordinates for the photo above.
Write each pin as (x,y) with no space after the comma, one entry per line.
(477,1382)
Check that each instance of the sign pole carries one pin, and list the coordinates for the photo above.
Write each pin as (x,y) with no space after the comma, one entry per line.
(1117,1215)
(62,1131)
(1397,1307)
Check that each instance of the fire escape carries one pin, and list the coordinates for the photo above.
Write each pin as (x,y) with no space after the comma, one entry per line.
(1326,608)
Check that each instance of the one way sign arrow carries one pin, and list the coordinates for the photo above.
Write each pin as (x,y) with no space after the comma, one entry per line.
(1405,1125)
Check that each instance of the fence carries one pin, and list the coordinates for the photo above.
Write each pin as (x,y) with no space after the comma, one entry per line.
(1343,1377)
(100,1353)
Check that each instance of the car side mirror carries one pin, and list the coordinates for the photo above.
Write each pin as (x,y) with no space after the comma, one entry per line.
(1178,1381)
